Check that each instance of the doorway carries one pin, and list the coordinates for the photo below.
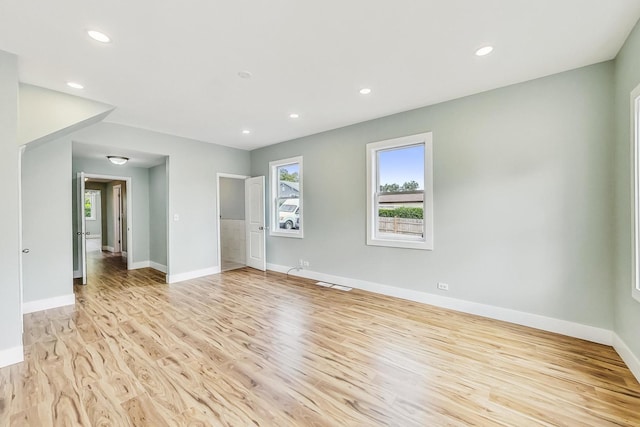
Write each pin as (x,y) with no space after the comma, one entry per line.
(231,224)
(103,199)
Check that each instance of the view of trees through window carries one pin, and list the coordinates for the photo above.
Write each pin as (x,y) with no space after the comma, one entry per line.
(401,190)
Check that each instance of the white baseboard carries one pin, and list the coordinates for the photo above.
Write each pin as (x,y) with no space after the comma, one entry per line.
(46,304)
(627,356)
(156,266)
(77,274)
(108,248)
(564,327)
(180,277)
(11,356)
(139,264)
(147,264)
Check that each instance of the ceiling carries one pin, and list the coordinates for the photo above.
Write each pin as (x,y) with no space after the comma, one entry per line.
(173,66)
(99,152)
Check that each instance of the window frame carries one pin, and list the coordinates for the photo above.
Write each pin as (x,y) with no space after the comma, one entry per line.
(372,148)
(92,195)
(635,189)
(274,184)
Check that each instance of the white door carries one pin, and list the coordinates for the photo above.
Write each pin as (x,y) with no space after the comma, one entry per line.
(82,227)
(255,222)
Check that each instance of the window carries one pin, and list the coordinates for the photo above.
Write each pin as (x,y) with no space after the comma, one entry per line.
(90,204)
(400,192)
(635,148)
(286,197)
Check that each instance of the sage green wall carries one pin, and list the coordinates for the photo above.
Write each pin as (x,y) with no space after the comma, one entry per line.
(140,203)
(158,214)
(10,313)
(192,169)
(103,207)
(627,309)
(45,228)
(231,198)
(522,199)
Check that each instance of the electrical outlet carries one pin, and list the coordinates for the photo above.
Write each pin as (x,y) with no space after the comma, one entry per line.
(305,263)
(443,286)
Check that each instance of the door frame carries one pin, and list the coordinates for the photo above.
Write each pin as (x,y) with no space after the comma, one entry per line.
(218,176)
(129,231)
(117,220)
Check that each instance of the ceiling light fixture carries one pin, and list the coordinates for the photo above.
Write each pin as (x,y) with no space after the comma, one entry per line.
(486,50)
(365,91)
(246,131)
(75,85)
(98,36)
(294,115)
(118,160)
(244,74)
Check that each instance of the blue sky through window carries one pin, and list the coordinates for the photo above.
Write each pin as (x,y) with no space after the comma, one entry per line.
(400,165)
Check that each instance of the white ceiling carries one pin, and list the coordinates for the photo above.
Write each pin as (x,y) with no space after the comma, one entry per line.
(100,152)
(172,66)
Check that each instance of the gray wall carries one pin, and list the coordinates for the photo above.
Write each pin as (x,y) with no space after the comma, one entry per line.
(521,193)
(11,335)
(627,309)
(158,214)
(140,203)
(46,228)
(103,207)
(231,198)
(192,169)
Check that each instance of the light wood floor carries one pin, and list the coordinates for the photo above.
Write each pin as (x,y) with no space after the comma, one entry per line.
(248,348)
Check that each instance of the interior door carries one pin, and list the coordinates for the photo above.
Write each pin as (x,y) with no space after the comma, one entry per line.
(255,222)
(82,229)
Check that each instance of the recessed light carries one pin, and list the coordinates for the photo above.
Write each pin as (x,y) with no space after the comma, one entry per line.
(486,50)
(98,36)
(244,74)
(246,131)
(294,115)
(365,91)
(75,85)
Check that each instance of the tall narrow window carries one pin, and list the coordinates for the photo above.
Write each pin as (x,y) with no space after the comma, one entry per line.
(286,197)
(90,204)
(635,148)
(400,192)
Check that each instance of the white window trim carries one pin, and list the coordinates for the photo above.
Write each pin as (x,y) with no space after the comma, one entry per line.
(274,229)
(635,189)
(92,195)
(425,243)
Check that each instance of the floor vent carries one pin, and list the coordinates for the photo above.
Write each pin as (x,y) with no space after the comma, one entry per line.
(338,287)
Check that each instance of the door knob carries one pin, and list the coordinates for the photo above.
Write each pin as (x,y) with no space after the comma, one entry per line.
(88,233)
(79,233)
(25,251)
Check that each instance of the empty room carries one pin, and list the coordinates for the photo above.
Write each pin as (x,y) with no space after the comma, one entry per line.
(293,213)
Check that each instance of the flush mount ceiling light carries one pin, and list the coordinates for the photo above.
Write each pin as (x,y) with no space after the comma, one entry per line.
(486,50)
(294,115)
(244,74)
(118,160)
(98,36)
(75,85)
(365,91)
(246,132)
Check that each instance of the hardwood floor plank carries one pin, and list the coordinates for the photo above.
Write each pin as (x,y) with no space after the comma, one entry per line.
(251,348)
